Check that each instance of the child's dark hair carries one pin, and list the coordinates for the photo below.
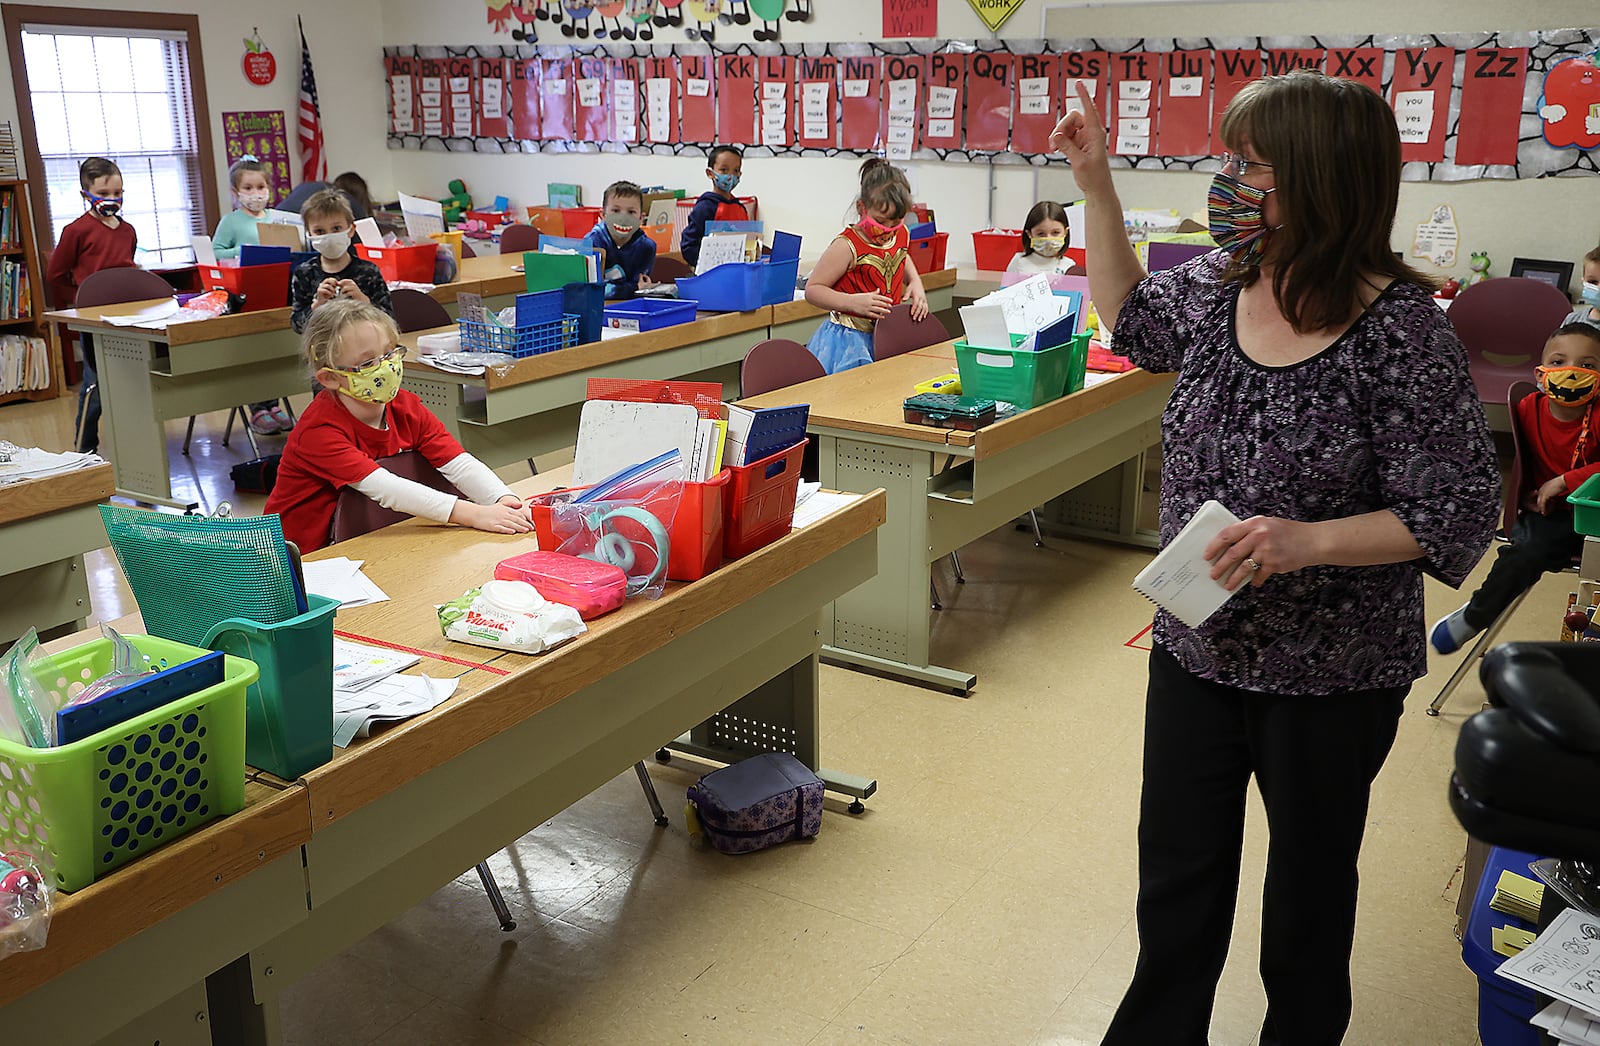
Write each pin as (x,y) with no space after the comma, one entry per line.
(625,190)
(884,188)
(245,163)
(1578,328)
(94,168)
(1043,211)
(718,150)
(355,187)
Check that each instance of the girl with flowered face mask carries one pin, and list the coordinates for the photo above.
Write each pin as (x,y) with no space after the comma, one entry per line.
(866,271)
(1045,236)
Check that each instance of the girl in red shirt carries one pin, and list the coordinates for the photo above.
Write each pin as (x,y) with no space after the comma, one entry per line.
(865,271)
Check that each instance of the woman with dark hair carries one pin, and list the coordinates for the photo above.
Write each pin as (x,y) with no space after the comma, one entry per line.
(1325,400)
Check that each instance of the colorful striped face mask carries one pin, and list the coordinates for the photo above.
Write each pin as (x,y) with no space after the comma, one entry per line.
(1238,224)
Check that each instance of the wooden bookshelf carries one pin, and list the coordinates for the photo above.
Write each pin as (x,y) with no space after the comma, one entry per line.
(18,244)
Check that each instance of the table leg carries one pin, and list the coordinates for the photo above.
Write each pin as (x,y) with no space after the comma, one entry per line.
(1107,508)
(128,408)
(183,1020)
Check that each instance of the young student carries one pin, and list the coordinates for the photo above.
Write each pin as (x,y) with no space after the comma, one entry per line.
(1588,310)
(98,239)
(1044,242)
(337,272)
(364,415)
(724,165)
(865,271)
(248,176)
(355,187)
(1561,449)
(629,253)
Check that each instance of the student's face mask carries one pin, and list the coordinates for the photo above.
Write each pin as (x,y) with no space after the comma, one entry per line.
(254,202)
(1569,386)
(377,382)
(332,245)
(725,182)
(1234,212)
(104,206)
(1591,294)
(622,224)
(876,229)
(1049,246)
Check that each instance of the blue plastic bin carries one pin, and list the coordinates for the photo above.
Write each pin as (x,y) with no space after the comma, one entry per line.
(538,308)
(1504,1007)
(648,314)
(521,342)
(727,288)
(586,301)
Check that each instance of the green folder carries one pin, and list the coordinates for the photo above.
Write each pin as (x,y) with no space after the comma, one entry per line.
(551,272)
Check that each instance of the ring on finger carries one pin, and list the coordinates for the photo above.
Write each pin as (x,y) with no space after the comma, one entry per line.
(1252,564)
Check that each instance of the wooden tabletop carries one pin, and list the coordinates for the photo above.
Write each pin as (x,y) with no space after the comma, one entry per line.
(40,497)
(794,311)
(871,399)
(502,691)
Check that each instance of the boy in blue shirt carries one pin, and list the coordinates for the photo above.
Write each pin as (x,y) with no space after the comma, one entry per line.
(629,253)
(724,165)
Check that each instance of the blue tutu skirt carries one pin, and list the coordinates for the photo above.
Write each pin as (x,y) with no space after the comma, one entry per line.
(840,347)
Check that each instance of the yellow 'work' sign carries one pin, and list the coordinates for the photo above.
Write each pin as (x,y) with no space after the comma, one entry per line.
(995,12)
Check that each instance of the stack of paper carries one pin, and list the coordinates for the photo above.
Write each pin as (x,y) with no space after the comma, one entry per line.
(24,463)
(1518,896)
(356,665)
(1569,1024)
(1564,962)
(1028,305)
(342,579)
(1509,940)
(423,217)
(24,363)
(356,712)
(723,248)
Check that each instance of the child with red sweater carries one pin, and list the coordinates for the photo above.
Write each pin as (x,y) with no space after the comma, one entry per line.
(1560,433)
(99,239)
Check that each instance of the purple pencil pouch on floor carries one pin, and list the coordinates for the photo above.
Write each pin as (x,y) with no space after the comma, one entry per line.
(759,802)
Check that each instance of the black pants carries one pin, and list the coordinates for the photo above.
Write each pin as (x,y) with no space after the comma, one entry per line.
(88,418)
(1539,544)
(1313,759)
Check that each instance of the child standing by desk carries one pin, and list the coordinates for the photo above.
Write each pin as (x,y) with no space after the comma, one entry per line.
(248,176)
(99,239)
(364,415)
(866,271)
(724,166)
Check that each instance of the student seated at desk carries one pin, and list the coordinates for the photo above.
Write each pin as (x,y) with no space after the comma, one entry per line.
(337,273)
(352,348)
(629,253)
(724,166)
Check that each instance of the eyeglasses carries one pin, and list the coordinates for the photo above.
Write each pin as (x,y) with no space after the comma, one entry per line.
(396,353)
(1241,166)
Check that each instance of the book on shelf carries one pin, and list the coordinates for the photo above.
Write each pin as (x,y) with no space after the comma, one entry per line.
(24,364)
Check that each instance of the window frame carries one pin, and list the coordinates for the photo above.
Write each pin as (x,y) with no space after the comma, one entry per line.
(15,16)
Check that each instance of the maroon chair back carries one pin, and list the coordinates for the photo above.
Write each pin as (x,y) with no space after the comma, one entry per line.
(898,332)
(355,514)
(515,239)
(1503,324)
(667,269)
(467,251)
(1518,478)
(416,311)
(776,364)
(115,286)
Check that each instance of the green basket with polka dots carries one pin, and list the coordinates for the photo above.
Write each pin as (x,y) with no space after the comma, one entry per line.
(98,803)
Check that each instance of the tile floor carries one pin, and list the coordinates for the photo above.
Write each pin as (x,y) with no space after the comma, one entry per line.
(985,896)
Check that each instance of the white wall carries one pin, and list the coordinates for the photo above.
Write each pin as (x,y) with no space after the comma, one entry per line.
(343,38)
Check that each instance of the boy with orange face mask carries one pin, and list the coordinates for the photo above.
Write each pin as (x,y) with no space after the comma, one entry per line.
(1560,432)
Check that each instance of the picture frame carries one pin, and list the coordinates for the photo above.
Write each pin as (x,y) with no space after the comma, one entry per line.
(1557,274)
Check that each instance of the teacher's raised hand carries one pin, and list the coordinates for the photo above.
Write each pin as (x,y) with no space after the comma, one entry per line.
(1080,136)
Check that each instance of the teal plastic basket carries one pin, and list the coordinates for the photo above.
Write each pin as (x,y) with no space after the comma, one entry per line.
(289,710)
(96,804)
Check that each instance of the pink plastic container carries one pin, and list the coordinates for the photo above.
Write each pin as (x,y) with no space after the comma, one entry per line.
(588,587)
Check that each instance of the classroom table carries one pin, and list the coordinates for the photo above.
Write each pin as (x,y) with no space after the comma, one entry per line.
(193,944)
(947,488)
(46,526)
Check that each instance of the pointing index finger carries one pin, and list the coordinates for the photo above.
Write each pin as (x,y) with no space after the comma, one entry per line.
(1091,115)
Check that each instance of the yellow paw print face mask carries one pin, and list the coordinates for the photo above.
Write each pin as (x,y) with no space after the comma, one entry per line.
(378,381)
(1569,386)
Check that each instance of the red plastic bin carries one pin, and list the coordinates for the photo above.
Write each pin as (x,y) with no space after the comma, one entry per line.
(412,264)
(994,247)
(928,255)
(696,531)
(758,507)
(261,286)
(489,218)
(578,221)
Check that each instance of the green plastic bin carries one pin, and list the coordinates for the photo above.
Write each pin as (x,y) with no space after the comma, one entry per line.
(1585,502)
(1024,378)
(289,711)
(96,804)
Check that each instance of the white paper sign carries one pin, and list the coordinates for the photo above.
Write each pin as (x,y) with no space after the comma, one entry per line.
(902,95)
(774,107)
(493,92)
(1034,106)
(855,88)
(658,108)
(1134,89)
(1413,114)
(432,85)
(1128,145)
(1135,128)
(432,115)
(432,127)
(774,89)
(624,91)
(557,86)
(941,128)
(204,252)
(902,134)
(1134,107)
(905,120)
(697,88)
(460,84)
(1186,86)
(814,93)
(1437,238)
(1034,87)
(815,129)
(401,90)
(589,92)
(941,103)
(432,99)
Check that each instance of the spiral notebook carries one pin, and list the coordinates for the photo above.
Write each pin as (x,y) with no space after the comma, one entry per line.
(1179,579)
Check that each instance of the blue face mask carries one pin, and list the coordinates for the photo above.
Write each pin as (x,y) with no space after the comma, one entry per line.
(725,182)
(1591,294)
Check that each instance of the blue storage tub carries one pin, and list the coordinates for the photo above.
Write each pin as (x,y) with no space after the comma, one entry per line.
(587,302)
(1504,1007)
(539,307)
(743,286)
(648,314)
(521,342)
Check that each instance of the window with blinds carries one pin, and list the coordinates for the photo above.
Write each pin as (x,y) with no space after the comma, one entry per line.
(125,94)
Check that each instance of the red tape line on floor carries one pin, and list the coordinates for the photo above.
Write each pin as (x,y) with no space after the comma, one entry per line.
(420,653)
(1134,642)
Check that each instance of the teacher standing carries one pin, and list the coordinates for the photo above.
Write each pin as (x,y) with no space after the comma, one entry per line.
(1323,398)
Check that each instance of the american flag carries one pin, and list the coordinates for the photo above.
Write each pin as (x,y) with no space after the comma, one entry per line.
(313,162)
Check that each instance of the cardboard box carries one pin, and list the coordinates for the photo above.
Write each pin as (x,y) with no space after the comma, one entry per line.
(1471,871)
(1589,565)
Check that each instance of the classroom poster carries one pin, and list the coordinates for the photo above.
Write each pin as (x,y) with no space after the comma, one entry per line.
(523,97)
(401,71)
(775,74)
(591,104)
(945,90)
(908,18)
(988,101)
(903,77)
(1419,93)
(1133,118)
(1282,61)
(1364,65)
(860,102)
(260,134)
(460,112)
(1185,104)
(555,100)
(490,79)
(699,119)
(817,82)
(1038,93)
(1491,90)
(1230,71)
(622,83)
(736,99)
(430,94)
(661,100)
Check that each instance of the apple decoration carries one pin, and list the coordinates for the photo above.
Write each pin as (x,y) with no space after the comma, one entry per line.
(1450,289)
(1569,104)
(260,68)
